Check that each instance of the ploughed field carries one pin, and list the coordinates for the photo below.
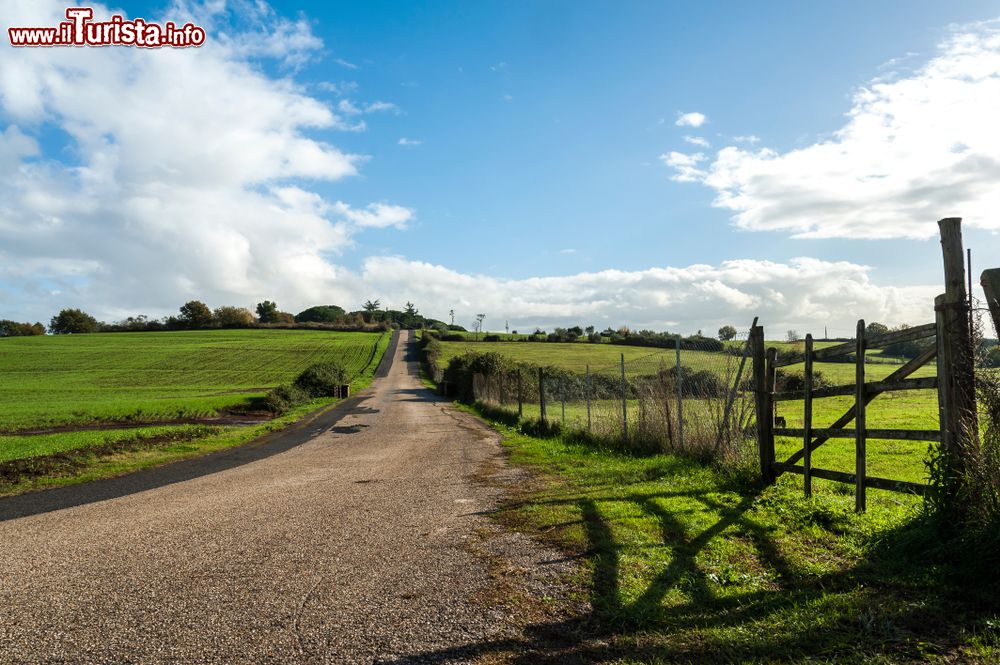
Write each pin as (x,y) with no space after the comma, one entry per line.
(64,393)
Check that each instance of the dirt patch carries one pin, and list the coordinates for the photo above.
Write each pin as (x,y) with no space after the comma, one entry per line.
(227,420)
(68,462)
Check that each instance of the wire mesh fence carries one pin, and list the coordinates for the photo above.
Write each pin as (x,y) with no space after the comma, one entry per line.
(694,398)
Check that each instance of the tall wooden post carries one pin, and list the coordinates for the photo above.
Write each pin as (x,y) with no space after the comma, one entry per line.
(960,429)
(807,415)
(588,398)
(765,414)
(520,396)
(990,281)
(860,434)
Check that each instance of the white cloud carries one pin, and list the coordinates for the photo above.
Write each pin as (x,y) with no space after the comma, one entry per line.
(804,293)
(914,149)
(345,63)
(568,250)
(693,119)
(699,141)
(685,166)
(191,173)
(410,142)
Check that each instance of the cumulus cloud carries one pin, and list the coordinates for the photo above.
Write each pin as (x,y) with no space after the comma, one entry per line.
(184,173)
(410,142)
(693,119)
(804,293)
(915,148)
(686,166)
(699,141)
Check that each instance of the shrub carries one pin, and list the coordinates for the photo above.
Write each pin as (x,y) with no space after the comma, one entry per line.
(71,322)
(281,399)
(195,314)
(322,314)
(15,329)
(233,317)
(492,338)
(322,379)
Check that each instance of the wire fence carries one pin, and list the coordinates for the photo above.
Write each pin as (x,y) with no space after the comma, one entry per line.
(694,398)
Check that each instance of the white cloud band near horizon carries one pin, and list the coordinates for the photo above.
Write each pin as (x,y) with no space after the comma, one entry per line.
(915,148)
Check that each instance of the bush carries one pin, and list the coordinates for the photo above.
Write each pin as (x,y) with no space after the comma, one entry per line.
(281,399)
(322,379)
(453,337)
(492,338)
(233,317)
(322,314)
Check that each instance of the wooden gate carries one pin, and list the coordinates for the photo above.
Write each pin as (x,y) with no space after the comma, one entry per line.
(954,383)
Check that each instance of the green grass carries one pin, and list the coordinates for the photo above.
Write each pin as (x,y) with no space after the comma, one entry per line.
(681,562)
(54,380)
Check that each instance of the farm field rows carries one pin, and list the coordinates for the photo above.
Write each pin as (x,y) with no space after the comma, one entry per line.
(57,380)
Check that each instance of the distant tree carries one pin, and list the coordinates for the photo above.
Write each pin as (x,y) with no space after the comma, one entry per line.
(589,330)
(451,313)
(727,333)
(196,314)
(284,317)
(267,311)
(479,324)
(410,309)
(15,329)
(875,329)
(322,314)
(72,322)
(371,309)
(233,317)
(793,336)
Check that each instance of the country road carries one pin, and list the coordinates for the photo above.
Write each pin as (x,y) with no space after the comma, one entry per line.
(356,537)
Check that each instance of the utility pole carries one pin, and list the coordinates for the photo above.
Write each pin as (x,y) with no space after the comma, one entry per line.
(451,313)
(506,326)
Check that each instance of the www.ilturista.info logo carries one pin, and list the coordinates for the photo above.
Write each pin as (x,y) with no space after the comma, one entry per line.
(80,30)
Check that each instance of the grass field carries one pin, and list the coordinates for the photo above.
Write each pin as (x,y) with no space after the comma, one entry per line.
(899,460)
(120,378)
(679,564)
(55,380)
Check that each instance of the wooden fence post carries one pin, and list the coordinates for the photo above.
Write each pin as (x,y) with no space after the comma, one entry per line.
(588,398)
(680,394)
(541,392)
(807,415)
(520,396)
(860,437)
(562,397)
(990,281)
(765,414)
(624,403)
(957,381)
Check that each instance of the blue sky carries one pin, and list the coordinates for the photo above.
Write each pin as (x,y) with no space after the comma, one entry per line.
(540,137)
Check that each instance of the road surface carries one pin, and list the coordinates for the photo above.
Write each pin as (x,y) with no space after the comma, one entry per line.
(358,537)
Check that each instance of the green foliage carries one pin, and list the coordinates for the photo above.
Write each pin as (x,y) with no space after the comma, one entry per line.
(195,314)
(267,311)
(461,369)
(727,333)
(876,329)
(283,398)
(322,379)
(232,317)
(15,329)
(72,322)
(322,314)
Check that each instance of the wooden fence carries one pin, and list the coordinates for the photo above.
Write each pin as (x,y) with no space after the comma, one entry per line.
(954,383)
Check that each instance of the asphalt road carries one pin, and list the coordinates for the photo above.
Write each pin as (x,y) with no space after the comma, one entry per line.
(356,537)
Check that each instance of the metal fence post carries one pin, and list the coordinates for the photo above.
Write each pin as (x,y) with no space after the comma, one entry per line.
(680,395)
(588,398)
(541,392)
(624,403)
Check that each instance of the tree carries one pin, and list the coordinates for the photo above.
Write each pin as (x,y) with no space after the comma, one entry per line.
(267,311)
(451,313)
(479,324)
(322,314)
(793,336)
(196,314)
(233,317)
(15,329)
(876,329)
(727,333)
(72,322)
(410,309)
(589,330)
(371,308)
